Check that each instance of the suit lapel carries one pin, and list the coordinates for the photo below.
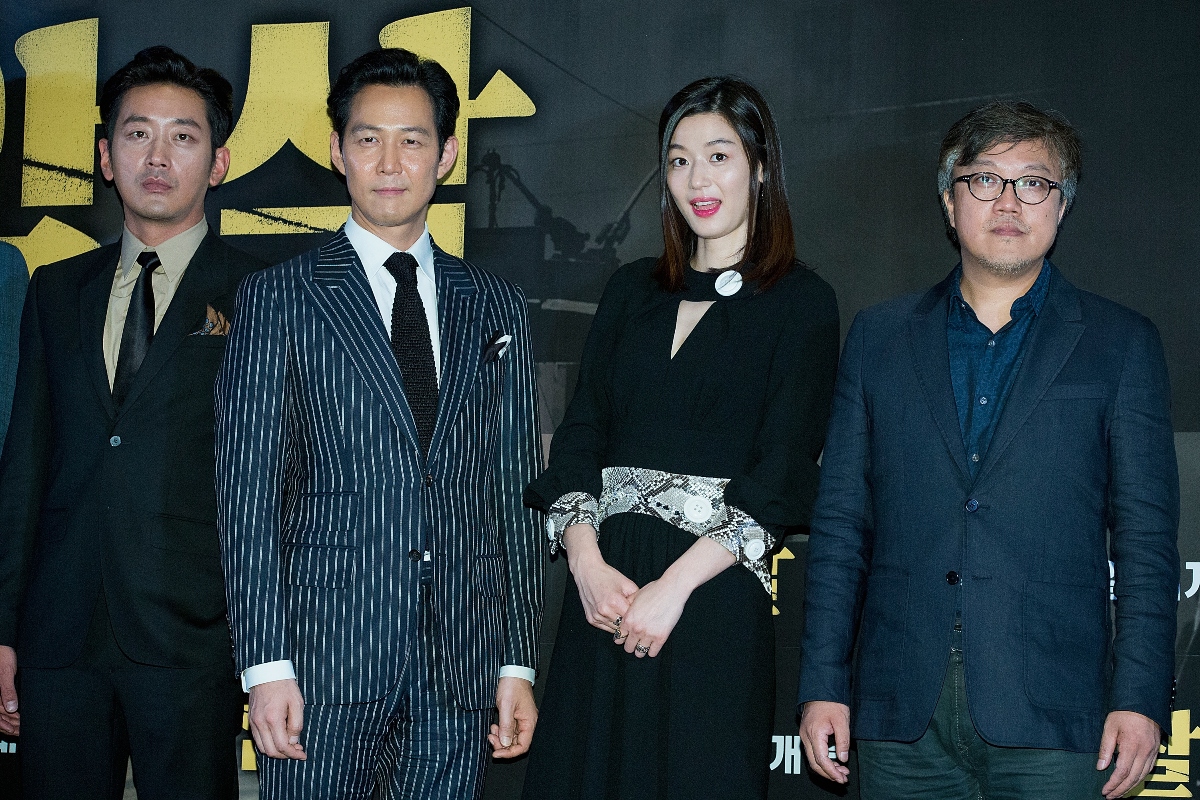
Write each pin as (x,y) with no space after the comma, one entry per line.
(931,360)
(461,338)
(200,281)
(93,309)
(1051,341)
(340,290)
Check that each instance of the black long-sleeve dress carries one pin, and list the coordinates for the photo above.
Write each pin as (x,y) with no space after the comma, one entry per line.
(746,398)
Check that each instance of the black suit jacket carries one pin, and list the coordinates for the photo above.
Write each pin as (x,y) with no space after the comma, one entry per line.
(94,497)
(1081,469)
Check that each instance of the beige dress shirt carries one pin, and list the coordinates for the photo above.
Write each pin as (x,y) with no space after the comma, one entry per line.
(175,254)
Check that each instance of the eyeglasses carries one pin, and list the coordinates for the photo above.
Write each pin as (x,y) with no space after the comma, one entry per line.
(1030,189)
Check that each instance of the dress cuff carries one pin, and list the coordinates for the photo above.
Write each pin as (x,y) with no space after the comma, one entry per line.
(265,673)
(573,508)
(514,671)
(747,540)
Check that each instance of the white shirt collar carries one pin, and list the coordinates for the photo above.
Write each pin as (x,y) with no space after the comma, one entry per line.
(373,251)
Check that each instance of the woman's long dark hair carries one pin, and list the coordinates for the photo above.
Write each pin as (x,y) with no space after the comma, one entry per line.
(770,251)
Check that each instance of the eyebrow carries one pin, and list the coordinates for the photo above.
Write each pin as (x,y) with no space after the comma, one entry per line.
(677,146)
(191,123)
(363,126)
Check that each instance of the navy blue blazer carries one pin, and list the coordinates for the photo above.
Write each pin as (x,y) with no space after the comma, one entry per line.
(323,490)
(1081,469)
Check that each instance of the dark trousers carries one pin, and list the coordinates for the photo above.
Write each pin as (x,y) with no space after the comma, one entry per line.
(416,742)
(81,725)
(952,762)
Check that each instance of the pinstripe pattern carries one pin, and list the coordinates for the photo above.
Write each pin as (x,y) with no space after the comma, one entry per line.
(322,487)
(416,742)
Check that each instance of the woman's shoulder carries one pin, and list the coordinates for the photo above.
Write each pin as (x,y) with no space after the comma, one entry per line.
(802,285)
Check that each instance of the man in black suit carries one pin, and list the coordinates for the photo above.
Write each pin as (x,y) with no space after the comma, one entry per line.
(111,593)
(994,442)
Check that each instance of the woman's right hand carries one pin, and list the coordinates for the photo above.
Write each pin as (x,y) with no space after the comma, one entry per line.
(603,590)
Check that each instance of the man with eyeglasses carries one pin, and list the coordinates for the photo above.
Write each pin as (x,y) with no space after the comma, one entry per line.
(994,442)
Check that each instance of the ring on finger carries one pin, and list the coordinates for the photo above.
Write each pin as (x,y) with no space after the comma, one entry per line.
(617,622)
(641,648)
(619,635)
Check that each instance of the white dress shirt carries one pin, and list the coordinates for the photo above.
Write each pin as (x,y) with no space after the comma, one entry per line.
(372,252)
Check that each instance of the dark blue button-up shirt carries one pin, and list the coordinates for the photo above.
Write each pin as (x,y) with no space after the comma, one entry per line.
(983,364)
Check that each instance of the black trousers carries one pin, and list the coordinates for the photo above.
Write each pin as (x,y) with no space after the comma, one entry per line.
(81,725)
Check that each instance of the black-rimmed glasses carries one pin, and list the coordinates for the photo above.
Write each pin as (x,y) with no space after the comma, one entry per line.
(987,186)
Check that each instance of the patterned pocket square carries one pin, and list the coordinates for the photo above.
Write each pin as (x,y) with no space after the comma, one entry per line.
(496,347)
(214,324)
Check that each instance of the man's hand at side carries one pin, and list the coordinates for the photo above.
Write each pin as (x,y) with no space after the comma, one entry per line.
(823,723)
(1135,737)
(277,718)
(518,717)
(10,720)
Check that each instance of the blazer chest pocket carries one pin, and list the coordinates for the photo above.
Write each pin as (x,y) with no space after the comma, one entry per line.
(486,576)
(320,566)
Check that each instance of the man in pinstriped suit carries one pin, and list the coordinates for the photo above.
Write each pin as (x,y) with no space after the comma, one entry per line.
(384,580)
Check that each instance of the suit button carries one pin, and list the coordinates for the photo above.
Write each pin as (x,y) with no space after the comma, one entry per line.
(414,555)
(429,480)
(972,504)
(115,441)
(952,577)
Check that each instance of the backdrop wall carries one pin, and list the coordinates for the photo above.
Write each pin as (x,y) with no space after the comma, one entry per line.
(555,186)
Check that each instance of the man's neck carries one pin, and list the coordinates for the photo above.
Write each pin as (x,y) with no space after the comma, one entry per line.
(991,295)
(152,232)
(401,237)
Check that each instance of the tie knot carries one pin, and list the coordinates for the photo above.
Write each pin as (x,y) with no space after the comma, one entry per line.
(149,260)
(402,266)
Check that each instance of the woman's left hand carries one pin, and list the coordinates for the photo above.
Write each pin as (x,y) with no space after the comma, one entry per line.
(653,611)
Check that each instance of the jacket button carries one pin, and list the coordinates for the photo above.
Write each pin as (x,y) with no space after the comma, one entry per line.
(972,504)
(115,441)
(414,555)
(429,480)
(952,577)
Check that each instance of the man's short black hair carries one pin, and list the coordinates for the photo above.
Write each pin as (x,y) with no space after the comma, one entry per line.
(161,64)
(394,66)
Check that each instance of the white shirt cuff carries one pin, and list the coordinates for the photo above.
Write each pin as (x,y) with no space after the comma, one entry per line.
(270,671)
(513,671)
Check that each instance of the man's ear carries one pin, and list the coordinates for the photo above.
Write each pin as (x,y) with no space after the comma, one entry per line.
(948,204)
(449,154)
(105,160)
(220,166)
(335,152)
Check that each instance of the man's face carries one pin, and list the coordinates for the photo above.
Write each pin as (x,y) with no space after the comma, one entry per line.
(161,159)
(391,160)
(1005,236)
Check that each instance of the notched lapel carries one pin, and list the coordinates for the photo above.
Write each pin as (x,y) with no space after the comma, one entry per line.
(931,360)
(1052,339)
(340,291)
(204,275)
(461,338)
(93,309)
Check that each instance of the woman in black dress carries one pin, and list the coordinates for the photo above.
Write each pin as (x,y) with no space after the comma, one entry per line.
(691,446)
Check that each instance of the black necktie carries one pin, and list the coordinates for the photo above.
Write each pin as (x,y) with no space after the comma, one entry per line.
(139,327)
(413,347)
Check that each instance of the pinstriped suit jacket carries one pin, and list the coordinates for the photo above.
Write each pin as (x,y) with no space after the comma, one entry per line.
(323,491)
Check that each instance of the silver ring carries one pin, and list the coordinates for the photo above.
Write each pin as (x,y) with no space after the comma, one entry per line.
(617,622)
(641,648)
(618,636)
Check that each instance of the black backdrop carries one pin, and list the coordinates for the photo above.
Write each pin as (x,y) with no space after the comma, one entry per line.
(863,92)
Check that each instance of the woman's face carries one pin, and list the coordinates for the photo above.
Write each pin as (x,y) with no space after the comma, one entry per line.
(708,176)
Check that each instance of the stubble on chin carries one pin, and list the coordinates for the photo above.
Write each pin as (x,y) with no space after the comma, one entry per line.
(1009,269)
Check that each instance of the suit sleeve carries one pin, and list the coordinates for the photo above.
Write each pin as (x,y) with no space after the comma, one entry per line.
(581,440)
(252,440)
(779,490)
(1143,524)
(518,460)
(25,463)
(840,539)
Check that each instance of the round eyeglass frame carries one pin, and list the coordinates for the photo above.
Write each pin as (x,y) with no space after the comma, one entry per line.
(1004,182)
